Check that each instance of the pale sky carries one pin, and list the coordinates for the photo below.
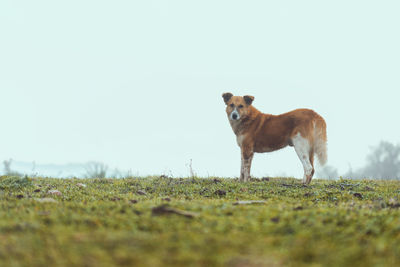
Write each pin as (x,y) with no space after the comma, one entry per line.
(138,84)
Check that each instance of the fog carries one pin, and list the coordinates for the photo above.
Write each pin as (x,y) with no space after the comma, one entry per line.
(137,85)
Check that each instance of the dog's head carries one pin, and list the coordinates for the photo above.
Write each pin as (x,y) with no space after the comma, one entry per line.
(237,107)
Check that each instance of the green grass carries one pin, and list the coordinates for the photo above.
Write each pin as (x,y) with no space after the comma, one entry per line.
(110,222)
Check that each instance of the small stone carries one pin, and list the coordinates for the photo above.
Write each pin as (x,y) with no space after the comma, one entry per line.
(80,185)
(358,195)
(46,200)
(393,203)
(141,192)
(220,192)
(36,190)
(275,219)
(20,196)
(54,192)
(166,210)
(249,202)
(133,201)
(166,199)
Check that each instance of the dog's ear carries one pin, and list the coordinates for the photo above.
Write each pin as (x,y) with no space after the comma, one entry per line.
(227,97)
(248,99)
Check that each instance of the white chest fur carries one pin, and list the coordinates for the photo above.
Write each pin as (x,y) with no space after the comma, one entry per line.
(239,139)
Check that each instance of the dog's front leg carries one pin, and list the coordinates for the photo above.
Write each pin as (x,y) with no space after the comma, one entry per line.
(247,157)
(241,169)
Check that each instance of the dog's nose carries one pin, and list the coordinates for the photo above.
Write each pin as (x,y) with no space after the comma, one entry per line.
(234,116)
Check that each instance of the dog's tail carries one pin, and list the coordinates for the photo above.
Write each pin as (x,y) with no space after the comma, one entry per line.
(320,140)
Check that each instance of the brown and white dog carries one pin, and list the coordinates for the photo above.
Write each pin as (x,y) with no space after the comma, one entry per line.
(303,129)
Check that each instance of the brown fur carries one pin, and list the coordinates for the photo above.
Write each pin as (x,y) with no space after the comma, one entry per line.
(260,132)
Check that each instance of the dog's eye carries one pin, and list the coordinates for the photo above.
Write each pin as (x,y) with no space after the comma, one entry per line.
(240,106)
(232,105)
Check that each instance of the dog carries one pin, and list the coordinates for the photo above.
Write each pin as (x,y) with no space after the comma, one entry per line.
(257,132)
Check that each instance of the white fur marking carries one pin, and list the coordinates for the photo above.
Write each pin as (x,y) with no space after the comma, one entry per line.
(235,111)
(239,139)
(302,148)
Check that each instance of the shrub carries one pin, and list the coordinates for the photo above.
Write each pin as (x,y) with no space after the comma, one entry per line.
(14,182)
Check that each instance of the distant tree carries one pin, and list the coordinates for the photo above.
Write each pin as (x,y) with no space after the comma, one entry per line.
(190,167)
(328,172)
(96,169)
(383,162)
(7,169)
(7,166)
(116,173)
(350,174)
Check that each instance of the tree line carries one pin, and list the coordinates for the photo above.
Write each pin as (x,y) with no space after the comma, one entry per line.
(383,162)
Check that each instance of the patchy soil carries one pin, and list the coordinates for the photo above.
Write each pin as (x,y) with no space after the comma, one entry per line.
(163,221)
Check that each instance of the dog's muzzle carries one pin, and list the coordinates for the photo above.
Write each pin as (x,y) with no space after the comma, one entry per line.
(235,115)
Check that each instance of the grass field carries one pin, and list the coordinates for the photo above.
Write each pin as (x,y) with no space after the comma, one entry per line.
(159,221)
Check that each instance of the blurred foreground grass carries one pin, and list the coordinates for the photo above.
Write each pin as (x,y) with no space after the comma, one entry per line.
(159,221)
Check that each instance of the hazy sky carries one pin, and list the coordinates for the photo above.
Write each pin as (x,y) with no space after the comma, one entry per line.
(138,84)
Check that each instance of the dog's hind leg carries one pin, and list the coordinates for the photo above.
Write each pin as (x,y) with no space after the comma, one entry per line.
(306,156)
(312,165)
